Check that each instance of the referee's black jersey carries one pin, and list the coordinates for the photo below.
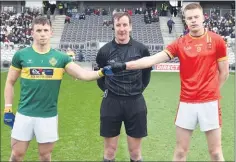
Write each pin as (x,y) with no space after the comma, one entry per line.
(128,82)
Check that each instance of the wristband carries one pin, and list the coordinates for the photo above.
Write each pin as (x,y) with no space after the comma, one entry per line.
(7,109)
(100,74)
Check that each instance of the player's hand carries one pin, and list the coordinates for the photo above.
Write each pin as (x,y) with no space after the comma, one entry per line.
(107,71)
(9,117)
(117,67)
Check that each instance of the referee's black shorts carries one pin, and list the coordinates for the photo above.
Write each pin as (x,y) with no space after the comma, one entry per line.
(131,110)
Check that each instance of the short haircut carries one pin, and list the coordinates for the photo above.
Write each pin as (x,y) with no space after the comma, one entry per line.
(192,6)
(119,15)
(41,20)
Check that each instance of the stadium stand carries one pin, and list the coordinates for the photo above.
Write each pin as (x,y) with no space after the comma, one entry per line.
(87,29)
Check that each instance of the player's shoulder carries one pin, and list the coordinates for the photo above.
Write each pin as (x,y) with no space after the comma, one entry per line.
(24,50)
(106,46)
(58,53)
(214,36)
(104,50)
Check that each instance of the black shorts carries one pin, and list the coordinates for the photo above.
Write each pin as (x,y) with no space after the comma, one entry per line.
(131,110)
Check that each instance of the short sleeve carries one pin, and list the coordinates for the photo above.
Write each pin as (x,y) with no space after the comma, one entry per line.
(101,58)
(221,54)
(172,49)
(16,61)
(67,60)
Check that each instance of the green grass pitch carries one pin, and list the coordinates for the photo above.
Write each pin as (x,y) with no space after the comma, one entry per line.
(79,109)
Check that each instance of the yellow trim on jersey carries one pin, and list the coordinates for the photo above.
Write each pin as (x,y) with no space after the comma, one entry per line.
(12,67)
(40,52)
(68,64)
(223,58)
(168,53)
(57,73)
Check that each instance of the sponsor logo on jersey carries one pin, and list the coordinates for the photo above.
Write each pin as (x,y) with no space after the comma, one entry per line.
(41,73)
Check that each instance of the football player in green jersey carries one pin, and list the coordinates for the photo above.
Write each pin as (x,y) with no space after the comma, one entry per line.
(40,69)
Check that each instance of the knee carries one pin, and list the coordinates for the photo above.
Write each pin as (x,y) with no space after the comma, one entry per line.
(17,155)
(215,154)
(181,153)
(45,156)
(135,154)
(110,151)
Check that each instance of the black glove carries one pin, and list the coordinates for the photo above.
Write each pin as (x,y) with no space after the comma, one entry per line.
(117,67)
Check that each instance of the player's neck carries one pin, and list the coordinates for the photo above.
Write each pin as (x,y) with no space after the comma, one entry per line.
(198,34)
(126,41)
(41,49)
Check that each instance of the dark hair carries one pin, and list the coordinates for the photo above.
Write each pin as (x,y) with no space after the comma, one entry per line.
(119,15)
(42,20)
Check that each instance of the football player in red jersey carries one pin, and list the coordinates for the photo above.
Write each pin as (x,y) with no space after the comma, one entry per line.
(204,69)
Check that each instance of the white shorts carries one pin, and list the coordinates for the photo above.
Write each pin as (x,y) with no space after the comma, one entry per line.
(44,129)
(207,114)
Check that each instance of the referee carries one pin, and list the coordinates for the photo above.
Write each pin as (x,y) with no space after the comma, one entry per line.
(123,100)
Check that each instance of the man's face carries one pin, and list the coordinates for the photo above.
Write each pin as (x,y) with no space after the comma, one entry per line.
(122,28)
(42,34)
(194,19)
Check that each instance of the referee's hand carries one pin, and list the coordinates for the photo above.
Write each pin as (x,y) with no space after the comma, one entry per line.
(117,66)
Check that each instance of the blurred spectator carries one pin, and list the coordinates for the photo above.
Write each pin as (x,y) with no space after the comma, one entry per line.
(48,13)
(67,19)
(170,23)
(60,8)
(82,16)
(81,56)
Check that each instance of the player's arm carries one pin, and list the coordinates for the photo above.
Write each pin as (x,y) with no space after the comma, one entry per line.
(147,62)
(223,67)
(222,59)
(76,71)
(13,75)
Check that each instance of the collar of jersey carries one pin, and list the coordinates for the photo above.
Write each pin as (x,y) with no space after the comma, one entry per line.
(40,52)
(199,37)
(129,43)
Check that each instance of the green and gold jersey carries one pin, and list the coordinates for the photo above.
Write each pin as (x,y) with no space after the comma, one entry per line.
(41,76)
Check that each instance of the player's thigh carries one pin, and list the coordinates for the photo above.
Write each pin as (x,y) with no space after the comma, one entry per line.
(186,116)
(23,129)
(110,117)
(135,117)
(46,129)
(19,148)
(183,138)
(214,139)
(209,115)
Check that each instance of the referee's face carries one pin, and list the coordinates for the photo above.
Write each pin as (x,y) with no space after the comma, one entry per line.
(42,34)
(122,29)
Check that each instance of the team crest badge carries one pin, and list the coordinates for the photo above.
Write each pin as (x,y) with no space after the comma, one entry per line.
(53,61)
